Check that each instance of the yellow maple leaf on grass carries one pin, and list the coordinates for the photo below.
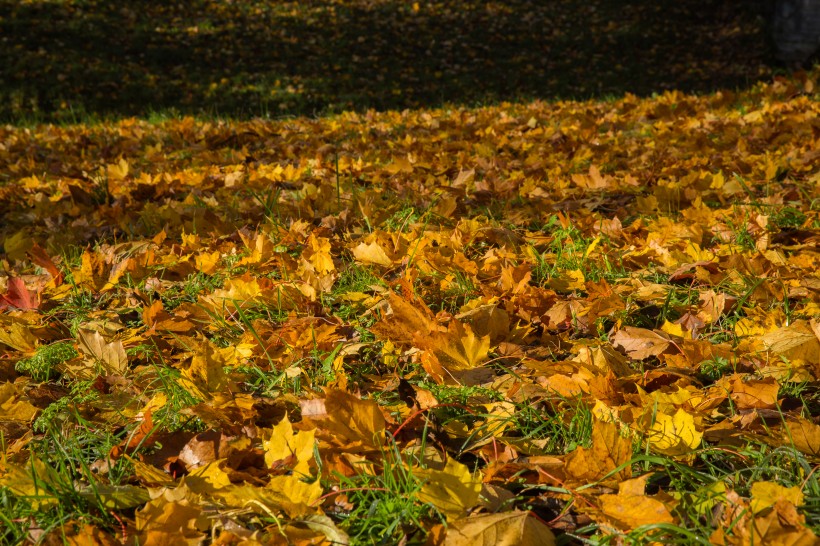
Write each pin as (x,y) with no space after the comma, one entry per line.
(285,493)
(632,507)
(14,406)
(461,349)
(674,434)
(452,490)
(283,443)
(766,494)
(516,528)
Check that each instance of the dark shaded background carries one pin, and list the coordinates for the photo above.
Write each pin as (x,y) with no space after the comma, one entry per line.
(65,60)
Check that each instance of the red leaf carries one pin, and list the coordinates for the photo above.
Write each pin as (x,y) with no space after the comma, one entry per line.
(19,297)
(40,257)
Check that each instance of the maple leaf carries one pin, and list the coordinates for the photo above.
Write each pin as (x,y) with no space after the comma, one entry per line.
(515,528)
(452,490)
(285,443)
(674,434)
(628,510)
(460,349)
(608,452)
(110,355)
(640,343)
(18,296)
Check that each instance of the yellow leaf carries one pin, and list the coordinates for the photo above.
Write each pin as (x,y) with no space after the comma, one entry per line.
(797,340)
(207,262)
(207,368)
(568,281)
(461,349)
(167,520)
(17,245)
(592,246)
(34,482)
(640,343)
(803,434)
(318,253)
(371,253)
(117,171)
(609,451)
(674,434)
(115,497)
(631,511)
(765,494)
(16,334)
(284,443)
(674,329)
(12,407)
(347,419)
(287,493)
(756,393)
(453,490)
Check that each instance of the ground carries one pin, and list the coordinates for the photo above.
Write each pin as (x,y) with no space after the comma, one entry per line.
(552,320)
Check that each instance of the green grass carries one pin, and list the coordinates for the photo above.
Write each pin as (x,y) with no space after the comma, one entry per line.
(41,366)
(61,488)
(386,507)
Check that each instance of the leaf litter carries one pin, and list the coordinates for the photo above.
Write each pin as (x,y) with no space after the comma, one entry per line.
(519,324)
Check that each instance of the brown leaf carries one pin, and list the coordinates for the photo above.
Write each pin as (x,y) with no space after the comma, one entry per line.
(755,393)
(640,343)
(505,529)
(110,355)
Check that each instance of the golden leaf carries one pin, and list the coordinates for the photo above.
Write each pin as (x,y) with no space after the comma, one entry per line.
(765,494)
(284,443)
(674,434)
(371,253)
(609,451)
(452,490)
(514,528)
(640,343)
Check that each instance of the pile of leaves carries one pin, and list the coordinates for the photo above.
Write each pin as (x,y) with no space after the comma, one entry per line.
(63,60)
(521,324)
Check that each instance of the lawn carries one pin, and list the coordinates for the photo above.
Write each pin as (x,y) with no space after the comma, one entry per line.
(338,299)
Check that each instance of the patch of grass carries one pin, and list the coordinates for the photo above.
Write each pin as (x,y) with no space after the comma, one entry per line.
(788,218)
(40,366)
(564,424)
(60,487)
(354,278)
(460,289)
(386,506)
(710,371)
(76,308)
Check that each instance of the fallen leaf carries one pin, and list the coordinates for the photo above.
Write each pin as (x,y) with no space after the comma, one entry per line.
(674,434)
(630,511)
(505,529)
(111,356)
(285,443)
(452,490)
(640,343)
(609,450)
(755,393)
(765,494)
(18,296)
(13,404)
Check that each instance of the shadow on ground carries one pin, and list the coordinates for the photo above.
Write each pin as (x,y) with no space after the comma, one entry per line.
(245,58)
